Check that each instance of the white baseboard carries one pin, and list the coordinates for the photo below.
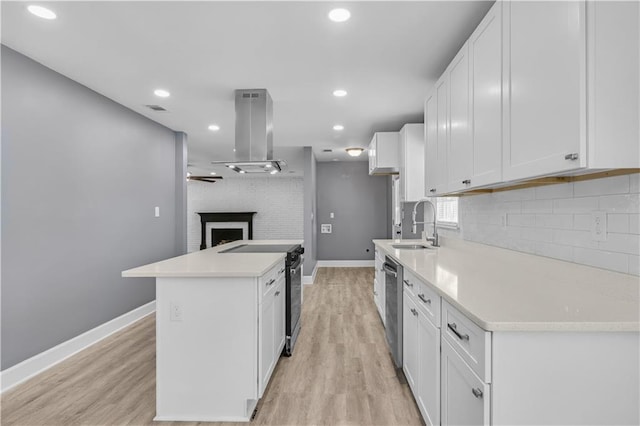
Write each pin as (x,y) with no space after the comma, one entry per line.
(28,368)
(345,263)
(310,279)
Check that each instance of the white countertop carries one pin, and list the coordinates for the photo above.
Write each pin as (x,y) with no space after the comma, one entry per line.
(505,290)
(211,263)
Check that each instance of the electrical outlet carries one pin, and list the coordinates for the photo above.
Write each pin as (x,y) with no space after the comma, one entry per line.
(176,311)
(599,226)
(325,228)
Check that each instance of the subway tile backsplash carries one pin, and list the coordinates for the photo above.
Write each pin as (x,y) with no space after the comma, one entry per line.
(555,221)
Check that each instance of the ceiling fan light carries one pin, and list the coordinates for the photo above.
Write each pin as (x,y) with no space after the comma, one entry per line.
(354,152)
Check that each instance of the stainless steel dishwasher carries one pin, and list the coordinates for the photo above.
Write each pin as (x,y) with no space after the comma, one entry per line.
(393,306)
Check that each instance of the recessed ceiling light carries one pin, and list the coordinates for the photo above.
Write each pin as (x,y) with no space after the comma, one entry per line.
(339,93)
(214,127)
(161,93)
(42,12)
(338,127)
(213,173)
(339,15)
(354,152)
(335,159)
(234,150)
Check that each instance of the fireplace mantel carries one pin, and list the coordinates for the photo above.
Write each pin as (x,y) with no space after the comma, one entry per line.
(206,217)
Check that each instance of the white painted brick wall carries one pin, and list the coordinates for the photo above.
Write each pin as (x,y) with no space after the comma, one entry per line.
(555,221)
(278,202)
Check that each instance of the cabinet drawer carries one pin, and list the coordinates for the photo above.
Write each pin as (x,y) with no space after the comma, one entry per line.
(269,280)
(471,342)
(429,301)
(410,283)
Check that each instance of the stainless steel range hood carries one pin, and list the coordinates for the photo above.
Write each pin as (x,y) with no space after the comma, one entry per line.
(254,134)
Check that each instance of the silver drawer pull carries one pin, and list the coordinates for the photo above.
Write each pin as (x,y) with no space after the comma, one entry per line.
(271,281)
(432,190)
(477,392)
(277,293)
(414,312)
(408,283)
(572,156)
(427,301)
(466,181)
(453,327)
(281,271)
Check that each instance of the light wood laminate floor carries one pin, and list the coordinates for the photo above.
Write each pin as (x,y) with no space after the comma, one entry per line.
(340,372)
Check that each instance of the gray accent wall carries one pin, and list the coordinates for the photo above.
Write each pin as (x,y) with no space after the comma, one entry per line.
(181,193)
(310,212)
(81,176)
(360,205)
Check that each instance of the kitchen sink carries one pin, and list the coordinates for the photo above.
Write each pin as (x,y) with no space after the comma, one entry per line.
(412,247)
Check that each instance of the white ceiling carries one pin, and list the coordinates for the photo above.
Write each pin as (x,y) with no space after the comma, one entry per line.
(386,56)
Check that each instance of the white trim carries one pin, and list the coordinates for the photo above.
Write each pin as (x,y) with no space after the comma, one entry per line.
(28,368)
(310,279)
(345,263)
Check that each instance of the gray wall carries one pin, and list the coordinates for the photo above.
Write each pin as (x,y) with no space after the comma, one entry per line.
(310,212)
(359,202)
(81,176)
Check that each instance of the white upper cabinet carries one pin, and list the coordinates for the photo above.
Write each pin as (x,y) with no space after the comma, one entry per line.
(460,146)
(411,162)
(613,52)
(437,138)
(383,153)
(545,82)
(485,84)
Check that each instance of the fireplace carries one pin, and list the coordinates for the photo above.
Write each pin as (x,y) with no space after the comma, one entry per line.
(225,235)
(225,226)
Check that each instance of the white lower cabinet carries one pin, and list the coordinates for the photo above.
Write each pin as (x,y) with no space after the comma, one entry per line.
(428,377)
(466,400)
(272,330)
(379,285)
(421,349)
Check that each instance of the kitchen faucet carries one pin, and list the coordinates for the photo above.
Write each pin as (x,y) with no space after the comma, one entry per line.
(414,225)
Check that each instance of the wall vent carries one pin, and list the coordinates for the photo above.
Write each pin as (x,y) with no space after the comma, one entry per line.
(156,108)
(327,150)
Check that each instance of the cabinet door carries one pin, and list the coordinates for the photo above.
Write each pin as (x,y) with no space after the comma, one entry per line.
(465,398)
(485,75)
(402,167)
(545,76)
(267,339)
(460,149)
(409,340)
(411,153)
(431,143)
(428,380)
(442,89)
(372,154)
(279,319)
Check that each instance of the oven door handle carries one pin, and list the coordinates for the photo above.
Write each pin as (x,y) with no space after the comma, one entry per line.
(294,268)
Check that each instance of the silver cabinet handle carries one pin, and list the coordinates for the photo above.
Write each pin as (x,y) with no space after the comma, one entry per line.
(432,190)
(414,312)
(572,156)
(271,281)
(427,301)
(466,181)
(477,392)
(281,271)
(277,293)
(453,327)
(408,283)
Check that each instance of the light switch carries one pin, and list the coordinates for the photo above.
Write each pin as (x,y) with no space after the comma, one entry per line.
(157,211)
(331,215)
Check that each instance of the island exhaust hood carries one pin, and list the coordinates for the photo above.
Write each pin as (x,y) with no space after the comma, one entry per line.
(254,134)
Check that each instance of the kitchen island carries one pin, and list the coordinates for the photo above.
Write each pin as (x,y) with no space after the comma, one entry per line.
(494,336)
(220,329)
